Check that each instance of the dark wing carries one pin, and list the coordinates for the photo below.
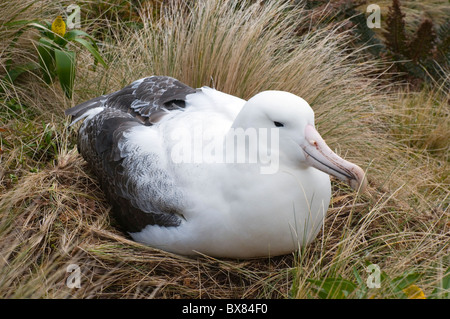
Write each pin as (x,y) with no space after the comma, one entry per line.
(146,99)
(136,183)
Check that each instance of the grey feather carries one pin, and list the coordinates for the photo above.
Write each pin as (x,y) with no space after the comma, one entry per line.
(142,98)
(140,190)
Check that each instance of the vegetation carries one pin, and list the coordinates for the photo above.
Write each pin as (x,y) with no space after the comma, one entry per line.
(53,214)
(55,59)
(414,37)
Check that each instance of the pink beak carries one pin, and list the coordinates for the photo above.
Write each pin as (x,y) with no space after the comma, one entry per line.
(320,156)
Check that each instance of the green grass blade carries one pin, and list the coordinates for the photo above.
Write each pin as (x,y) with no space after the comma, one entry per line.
(65,69)
(20,23)
(12,74)
(46,51)
(333,288)
(45,29)
(401,282)
(91,49)
(72,34)
(443,290)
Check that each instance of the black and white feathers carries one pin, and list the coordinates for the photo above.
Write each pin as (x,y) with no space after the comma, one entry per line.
(128,174)
(132,140)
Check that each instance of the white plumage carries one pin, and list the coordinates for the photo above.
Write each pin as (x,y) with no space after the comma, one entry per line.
(178,168)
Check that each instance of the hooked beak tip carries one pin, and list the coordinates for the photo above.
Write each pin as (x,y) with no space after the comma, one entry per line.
(359,183)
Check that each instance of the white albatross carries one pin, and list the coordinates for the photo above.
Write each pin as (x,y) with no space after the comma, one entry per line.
(153,146)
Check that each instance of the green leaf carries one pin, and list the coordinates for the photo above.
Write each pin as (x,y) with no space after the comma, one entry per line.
(20,22)
(93,50)
(44,27)
(362,290)
(46,49)
(334,288)
(443,290)
(60,41)
(72,34)
(65,69)
(403,281)
(357,276)
(446,280)
(12,74)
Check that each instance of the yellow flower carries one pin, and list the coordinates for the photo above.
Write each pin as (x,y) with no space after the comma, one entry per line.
(414,292)
(58,26)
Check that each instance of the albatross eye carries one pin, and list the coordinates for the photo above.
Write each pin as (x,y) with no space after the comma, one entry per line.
(278,124)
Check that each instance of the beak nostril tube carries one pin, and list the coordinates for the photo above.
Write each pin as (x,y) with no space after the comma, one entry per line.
(320,156)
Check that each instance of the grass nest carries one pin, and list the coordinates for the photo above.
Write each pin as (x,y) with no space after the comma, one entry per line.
(58,217)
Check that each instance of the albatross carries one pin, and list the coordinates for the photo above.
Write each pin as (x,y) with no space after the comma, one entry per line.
(161,152)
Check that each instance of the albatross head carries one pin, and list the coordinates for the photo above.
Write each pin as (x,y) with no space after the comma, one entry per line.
(300,143)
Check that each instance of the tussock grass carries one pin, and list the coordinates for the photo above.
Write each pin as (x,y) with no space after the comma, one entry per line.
(421,120)
(53,214)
